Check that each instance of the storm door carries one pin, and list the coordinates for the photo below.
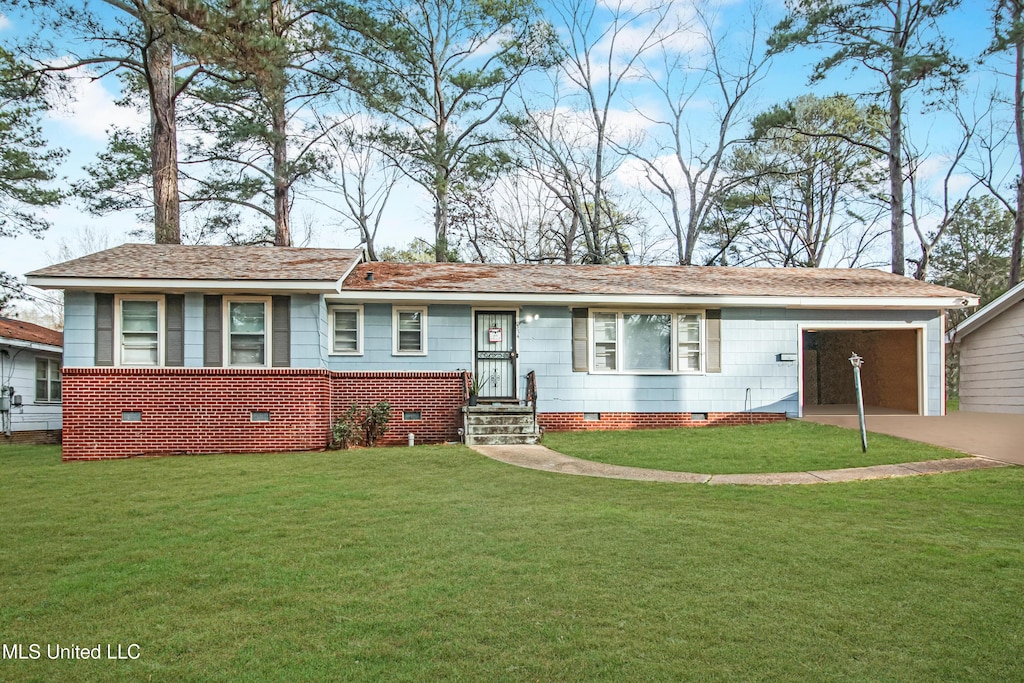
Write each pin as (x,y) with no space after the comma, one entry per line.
(496,356)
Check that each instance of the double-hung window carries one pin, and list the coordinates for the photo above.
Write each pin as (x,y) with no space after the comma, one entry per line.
(639,342)
(139,323)
(346,330)
(47,380)
(247,322)
(410,331)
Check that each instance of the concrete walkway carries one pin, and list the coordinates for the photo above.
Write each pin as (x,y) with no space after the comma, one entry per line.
(991,435)
(541,458)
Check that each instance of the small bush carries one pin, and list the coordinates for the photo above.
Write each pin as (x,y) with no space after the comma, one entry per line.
(375,422)
(345,429)
(360,425)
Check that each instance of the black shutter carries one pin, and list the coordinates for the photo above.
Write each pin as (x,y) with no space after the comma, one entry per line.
(713,333)
(213,324)
(281,344)
(104,329)
(580,339)
(174,325)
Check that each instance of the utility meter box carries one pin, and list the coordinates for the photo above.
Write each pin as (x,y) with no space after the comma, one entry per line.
(5,403)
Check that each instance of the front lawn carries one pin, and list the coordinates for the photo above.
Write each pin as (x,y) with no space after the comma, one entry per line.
(790,446)
(435,563)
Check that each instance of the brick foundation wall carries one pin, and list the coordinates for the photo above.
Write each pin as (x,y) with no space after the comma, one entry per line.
(34,437)
(437,396)
(209,410)
(575,422)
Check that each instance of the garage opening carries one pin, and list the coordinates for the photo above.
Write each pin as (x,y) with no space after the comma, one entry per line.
(890,376)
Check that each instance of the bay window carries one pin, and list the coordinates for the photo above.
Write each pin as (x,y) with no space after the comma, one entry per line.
(636,342)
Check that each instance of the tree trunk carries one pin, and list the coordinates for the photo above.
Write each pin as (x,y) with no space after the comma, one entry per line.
(441,217)
(1018,115)
(163,141)
(896,163)
(282,210)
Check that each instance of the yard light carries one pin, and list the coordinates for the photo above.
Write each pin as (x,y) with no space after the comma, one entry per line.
(856,361)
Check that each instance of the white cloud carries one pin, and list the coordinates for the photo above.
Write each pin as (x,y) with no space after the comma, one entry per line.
(87,108)
(5,22)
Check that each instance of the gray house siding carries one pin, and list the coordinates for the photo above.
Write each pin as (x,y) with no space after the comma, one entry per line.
(308,331)
(449,342)
(751,340)
(751,377)
(80,329)
(992,365)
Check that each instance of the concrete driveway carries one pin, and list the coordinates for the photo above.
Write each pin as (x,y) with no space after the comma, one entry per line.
(996,436)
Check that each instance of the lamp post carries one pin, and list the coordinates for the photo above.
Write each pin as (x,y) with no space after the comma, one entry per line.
(856,361)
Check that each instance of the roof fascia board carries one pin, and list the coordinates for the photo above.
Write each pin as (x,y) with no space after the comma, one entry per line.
(137,284)
(651,300)
(329,287)
(348,271)
(990,311)
(33,346)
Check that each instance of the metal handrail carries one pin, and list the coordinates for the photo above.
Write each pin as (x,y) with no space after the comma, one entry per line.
(531,392)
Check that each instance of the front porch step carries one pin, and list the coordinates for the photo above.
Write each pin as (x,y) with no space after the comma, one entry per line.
(502,439)
(486,429)
(498,420)
(498,425)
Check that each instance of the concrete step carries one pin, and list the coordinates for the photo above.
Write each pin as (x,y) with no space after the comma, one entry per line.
(501,439)
(498,408)
(503,429)
(498,420)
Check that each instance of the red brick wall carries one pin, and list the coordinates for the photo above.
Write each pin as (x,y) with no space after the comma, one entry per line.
(437,396)
(35,437)
(209,410)
(574,422)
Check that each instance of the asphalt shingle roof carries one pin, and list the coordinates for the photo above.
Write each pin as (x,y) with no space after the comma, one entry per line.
(188,262)
(638,280)
(197,263)
(29,332)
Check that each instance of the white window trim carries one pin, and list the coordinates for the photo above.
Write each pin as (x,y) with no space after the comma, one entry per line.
(395,310)
(359,330)
(50,363)
(160,330)
(268,327)
(620,331)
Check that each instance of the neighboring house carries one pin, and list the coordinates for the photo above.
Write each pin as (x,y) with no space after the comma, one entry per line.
(991,344)
(189,349)
(30,383)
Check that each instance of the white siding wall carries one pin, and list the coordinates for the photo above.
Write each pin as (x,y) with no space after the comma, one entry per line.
(19,371)
(992,365)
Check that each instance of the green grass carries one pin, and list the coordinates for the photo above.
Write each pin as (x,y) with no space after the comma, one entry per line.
(435,563)
(790,446)
(952,405)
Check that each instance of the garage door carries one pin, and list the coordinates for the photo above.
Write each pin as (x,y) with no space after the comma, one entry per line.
(890,376)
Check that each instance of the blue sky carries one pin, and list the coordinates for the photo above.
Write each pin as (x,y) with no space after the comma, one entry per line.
(80,127)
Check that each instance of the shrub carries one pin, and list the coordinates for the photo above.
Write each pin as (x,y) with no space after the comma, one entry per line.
(345,429)
(375,421)
(360,424)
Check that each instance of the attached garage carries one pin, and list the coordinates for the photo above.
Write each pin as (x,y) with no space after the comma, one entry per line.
(892,376)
